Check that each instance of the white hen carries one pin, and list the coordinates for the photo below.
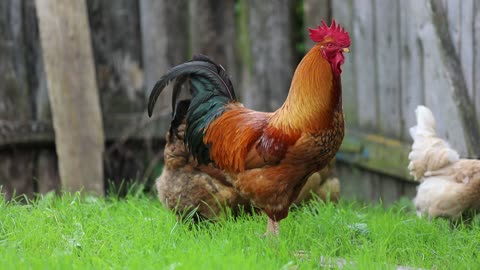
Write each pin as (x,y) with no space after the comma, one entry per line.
(449,186)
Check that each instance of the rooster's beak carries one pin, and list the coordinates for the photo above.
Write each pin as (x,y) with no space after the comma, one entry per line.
(347,50)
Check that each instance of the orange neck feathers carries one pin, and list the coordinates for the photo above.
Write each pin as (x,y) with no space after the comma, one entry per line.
(315,93)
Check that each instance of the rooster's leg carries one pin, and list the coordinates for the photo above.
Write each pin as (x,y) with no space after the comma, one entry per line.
(273,227)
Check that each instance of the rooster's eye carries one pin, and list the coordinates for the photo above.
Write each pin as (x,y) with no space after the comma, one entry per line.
(329,44)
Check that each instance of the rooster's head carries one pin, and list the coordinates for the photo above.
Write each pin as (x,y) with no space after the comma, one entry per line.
(333,40)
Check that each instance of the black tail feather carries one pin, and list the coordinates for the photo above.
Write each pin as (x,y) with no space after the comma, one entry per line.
(177,89)
(200,65)
(178,117)
(210,88)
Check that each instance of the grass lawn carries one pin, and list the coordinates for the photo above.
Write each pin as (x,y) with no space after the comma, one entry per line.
(70,232)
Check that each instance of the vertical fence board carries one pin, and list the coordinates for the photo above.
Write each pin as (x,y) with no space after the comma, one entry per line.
(314,12)
(212,28)
(412,80)
(441,102)
(77,118)
(243,52)
(271,54)
(371,187)
(15,102)
(46,166)
(16,170)
(454,18)
(466,50)
(342,12)
(355,183)
(164,42)
(457,87)
(432,73)
(363,52)
(476,57)
(16,165)
(117,50)
(46,171)
(389,189)
(388,67)
(36,72)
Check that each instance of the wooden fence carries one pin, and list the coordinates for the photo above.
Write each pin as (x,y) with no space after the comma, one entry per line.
(404,53)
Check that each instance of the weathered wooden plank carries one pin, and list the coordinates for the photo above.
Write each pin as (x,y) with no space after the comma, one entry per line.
(244,53)
(24,132)
(412,79)
(369,186)
(122,127)
(136,127)
(460,26)
(440,103)
(73,93)
(451,104)
(356,183)
(46,166)
(212,28)
(390,189)
(363,53)
(342,12)
(15,166)
(454,18)
(16,171)
(387,52)
(271,53)
(409,189)
(36,78)
(476,46)
(14,101)
(116,43)
(466,50)
(164,42)
(130,163)
(314,12)
(423,27)
(46,171)
(376,153)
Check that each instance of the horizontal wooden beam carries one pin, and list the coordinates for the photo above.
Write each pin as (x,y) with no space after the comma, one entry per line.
(119,126)
(22,132)
(376,153)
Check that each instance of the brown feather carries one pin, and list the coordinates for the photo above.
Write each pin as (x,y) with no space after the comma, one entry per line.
(232,135)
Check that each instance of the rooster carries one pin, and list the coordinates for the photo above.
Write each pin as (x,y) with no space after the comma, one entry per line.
(267,157)
(202,192)
(449,186)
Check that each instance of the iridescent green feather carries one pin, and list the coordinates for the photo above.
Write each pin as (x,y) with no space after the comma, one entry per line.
(210,89)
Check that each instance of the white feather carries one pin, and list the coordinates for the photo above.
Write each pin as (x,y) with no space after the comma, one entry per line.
(429,152)
(448,185)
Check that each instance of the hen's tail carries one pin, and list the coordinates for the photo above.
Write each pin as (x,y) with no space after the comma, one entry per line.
(210,88)
(429,152)
(176,155)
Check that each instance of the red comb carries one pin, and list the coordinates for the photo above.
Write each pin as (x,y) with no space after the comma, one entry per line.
(335,31)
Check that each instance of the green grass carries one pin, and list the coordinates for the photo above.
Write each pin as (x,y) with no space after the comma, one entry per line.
(71,232)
